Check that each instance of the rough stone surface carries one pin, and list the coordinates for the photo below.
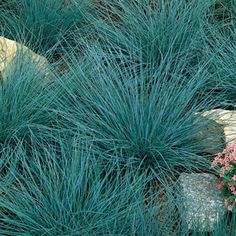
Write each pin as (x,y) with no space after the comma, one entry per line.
(202,204)
(8,51)
(227,119)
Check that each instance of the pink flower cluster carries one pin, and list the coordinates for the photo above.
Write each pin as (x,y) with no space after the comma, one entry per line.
(226,160)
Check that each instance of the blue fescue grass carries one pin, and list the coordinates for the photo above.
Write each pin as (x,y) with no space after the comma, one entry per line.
(70,194)
(222,15)
(221,50)
(134,93)
(146,117)
(225,227)
(164,31)
(165,34)
(24,99)
(25,116)
(44,24)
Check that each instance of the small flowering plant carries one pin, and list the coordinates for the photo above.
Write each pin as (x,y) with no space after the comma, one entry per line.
(226,161)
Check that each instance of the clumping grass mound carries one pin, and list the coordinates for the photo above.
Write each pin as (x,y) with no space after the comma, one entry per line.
(146,118)
(92,143)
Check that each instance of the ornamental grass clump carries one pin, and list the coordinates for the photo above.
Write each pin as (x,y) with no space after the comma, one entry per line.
(133,115)
(68,192)
(164,31)
(226,161)
(21,95)
(44,24)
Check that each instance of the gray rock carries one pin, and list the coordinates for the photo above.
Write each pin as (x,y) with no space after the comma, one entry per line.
(227,119)
(201,204)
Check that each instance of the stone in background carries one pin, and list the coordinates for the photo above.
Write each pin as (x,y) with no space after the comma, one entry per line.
(8,51)
(225,118)
(201,204)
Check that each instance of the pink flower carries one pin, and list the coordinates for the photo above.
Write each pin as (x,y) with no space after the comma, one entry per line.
(220,185)
(227,166)
(222,172)
(226,162)
(230,207)
(232,189)
(222,162)
(226,159)
(234,178)
(215,161)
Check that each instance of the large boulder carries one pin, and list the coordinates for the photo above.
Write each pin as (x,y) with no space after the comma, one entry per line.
(201,206)
(8,52)
(225,118)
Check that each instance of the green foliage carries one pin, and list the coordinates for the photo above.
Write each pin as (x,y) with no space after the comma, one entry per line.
(221,52)
(162,31)
(93,144)
(24,100)
(70,194)
(146,117)
(43,24)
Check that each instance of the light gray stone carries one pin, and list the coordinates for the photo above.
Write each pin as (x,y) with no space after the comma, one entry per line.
(202,205)
(227,119)
(9,50)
